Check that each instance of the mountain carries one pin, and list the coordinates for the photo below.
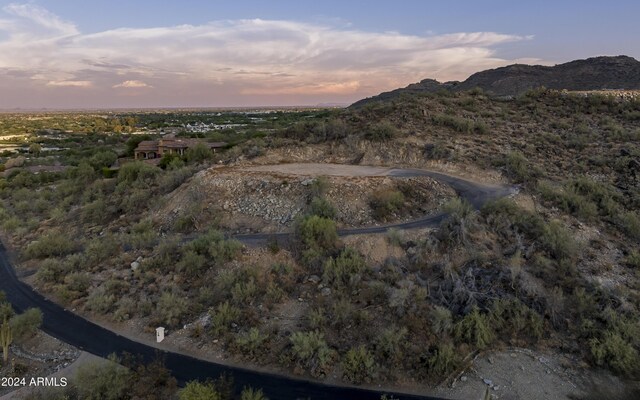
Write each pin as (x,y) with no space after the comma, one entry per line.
(620,72)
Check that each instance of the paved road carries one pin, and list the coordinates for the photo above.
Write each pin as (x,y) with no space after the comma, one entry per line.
(77,331)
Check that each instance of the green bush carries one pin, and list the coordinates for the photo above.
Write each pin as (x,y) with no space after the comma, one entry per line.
(322,208)
(26,324)
(103,381)
(252,343)
(52,244)
(474,329)
(382,131)
(441,320)
(386,202)
(195,390)
(518,168)
(100,302)
(558,241)
(615,353)
(191,263)
(460,222)
(139,173)
(359,365)
(252,394)
(171,308)
(630,223)
(311,352)
(341,271)
(199,153)
(633,259)
(317,233)
(224,315)
(512,318)
(442,360)
(391,343)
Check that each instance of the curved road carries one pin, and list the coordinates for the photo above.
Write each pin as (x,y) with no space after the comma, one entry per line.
(77,331)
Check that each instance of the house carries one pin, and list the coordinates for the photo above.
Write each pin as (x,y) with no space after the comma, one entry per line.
(152,149)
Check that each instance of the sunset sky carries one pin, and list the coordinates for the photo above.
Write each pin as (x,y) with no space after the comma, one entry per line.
(108,54)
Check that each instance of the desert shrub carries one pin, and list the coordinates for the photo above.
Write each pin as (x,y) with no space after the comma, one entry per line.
(224,315)
(458,124)
(317,319)
(244,292)
(198,153)
(101,249)
(96,212)
(138,172)
(51,271)
(126,308)
(171,308)
(26,324)
(358,365)
(191,263)
(558,241)
(317,233)
(310,352)
(78,282)
(475,329)
(630,223)
(195,390)
(103,381)
(505,217)
(615,353)
(633,259)
(386,202)
(512,317)
(142,235)
(342,270)
(441,320)
(104,158)
(322,208)
(252,343)
(382,131)
(518,168)
(391,343)
(50,245)
(100,302)
(395,237)
(460,222)
(319,187)
(441,360)
(252,394)
(568,200)
(224,250)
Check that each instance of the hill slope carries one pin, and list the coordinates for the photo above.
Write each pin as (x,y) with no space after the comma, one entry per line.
(620,72)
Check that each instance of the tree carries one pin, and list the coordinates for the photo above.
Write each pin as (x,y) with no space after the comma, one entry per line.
(35,149)
(6,338)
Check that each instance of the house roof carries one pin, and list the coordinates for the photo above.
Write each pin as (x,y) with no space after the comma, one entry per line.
(147,145)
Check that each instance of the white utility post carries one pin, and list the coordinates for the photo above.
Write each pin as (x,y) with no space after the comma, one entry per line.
(159,334)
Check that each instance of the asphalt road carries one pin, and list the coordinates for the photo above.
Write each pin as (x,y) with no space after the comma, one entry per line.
(77,331)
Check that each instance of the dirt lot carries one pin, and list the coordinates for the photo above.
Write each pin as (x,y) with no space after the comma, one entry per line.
(269,198)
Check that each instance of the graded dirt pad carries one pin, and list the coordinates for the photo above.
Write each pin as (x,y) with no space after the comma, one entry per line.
(521,374)
(269,198)
(316,169)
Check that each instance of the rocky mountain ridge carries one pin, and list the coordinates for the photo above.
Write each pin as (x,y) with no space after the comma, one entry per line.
(597,73)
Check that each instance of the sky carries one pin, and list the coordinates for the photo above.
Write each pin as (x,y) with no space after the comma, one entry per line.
(62,54)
